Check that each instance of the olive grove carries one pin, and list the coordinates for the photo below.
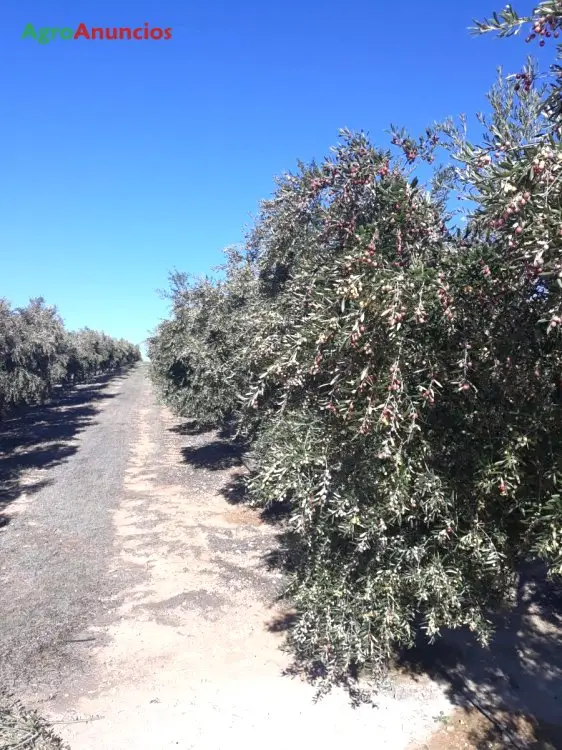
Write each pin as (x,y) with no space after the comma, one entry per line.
(37,353)
(399,378)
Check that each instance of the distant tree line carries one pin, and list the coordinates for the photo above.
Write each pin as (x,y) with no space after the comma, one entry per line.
(399,378)
(37,353)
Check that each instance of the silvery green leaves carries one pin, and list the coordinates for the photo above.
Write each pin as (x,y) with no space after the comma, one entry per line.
(399,379)
(37,352)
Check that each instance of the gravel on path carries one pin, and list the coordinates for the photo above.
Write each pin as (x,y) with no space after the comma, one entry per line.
(62,467)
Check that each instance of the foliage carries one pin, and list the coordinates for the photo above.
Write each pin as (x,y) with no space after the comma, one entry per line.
(544,23)
(195,355)
(401,379)
(21,727)
(37,352)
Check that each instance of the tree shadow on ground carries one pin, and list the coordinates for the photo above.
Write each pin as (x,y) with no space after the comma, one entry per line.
(215,455)
(33,439)
(235,492)
(516,683)
(191,427)
(226,432)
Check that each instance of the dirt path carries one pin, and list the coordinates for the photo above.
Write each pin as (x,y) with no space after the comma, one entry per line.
(173,645)
(61,477)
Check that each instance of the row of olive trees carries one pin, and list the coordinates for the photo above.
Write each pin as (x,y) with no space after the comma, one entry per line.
(37,353)
(400,380)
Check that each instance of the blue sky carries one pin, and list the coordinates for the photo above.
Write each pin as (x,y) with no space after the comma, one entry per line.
(123,160)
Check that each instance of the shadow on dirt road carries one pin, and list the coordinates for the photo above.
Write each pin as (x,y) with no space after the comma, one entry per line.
(40,437)
(516,684)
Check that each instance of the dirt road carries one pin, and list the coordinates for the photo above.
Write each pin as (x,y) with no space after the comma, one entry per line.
(137,605)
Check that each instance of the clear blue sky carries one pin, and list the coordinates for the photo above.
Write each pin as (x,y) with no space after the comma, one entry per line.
(123,160)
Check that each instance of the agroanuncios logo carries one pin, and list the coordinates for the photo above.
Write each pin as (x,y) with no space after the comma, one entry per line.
(47,34)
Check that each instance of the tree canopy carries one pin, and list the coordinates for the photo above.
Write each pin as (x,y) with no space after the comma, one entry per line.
(400,378)
(37,353)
